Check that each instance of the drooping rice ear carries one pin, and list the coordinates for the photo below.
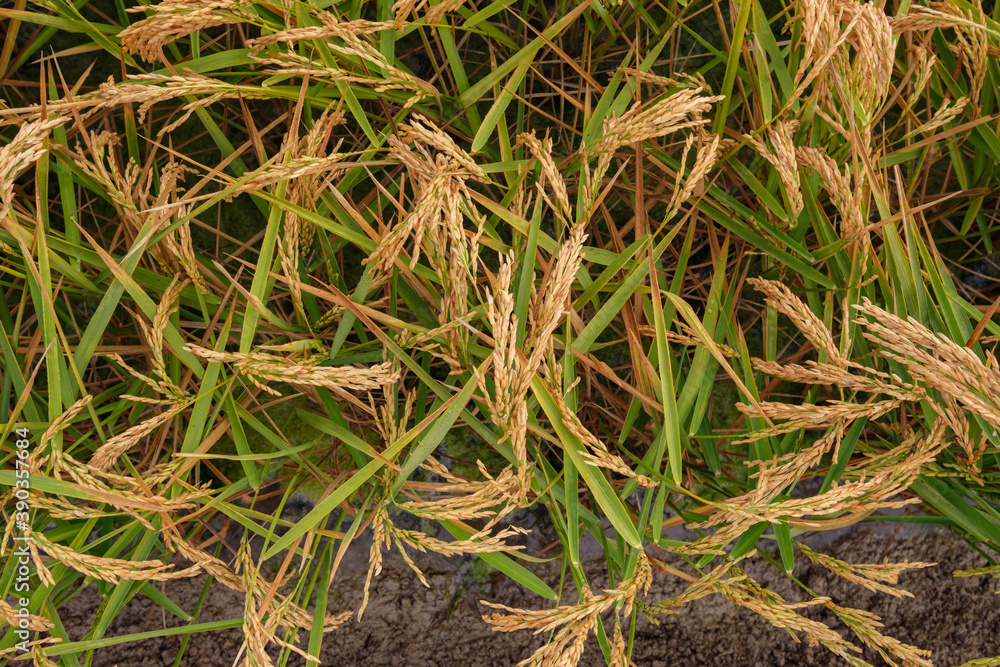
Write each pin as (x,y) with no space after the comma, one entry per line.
(782,158)
(782,298)
(173,20)
(541,150)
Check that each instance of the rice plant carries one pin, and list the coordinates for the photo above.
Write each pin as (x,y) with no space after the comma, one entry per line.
(687,263)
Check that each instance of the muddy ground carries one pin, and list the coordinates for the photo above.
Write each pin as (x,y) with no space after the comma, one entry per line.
(407,624)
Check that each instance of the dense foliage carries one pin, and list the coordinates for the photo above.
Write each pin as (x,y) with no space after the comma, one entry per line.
(453,259)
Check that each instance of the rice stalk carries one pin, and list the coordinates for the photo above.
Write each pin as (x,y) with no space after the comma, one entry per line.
(571,623)
(874,577)
(175,19)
